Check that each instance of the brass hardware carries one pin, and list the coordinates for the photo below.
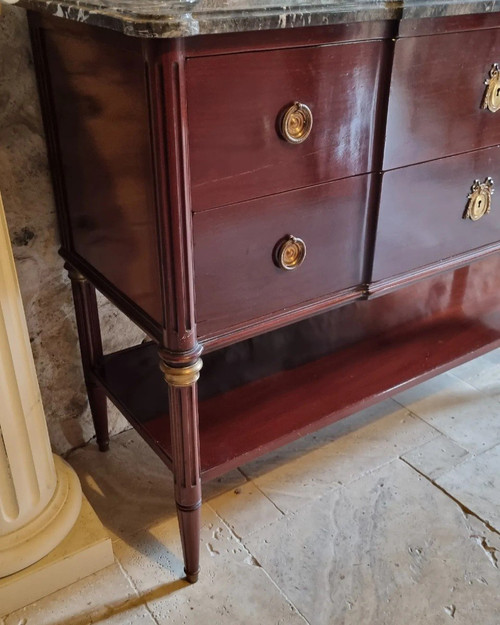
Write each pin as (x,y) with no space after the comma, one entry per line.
(74,274)
(289,253)
(491,98)
(296,123)
(182,376)
(479,203)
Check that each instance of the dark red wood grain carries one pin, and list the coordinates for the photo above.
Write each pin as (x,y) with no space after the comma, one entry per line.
(234,102)
(235,276)
(353,357)
(179,347)
(89,337)
(99,105)
(421,213)
(435,99)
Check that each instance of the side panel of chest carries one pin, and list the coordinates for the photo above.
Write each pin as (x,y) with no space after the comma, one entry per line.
(97,124)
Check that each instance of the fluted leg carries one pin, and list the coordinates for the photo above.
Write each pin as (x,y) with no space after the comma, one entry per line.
(183,402)
(89,334)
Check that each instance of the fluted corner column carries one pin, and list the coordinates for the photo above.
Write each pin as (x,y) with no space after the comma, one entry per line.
(40,494)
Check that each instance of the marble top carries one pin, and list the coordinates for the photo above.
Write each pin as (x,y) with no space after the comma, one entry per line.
(179,18)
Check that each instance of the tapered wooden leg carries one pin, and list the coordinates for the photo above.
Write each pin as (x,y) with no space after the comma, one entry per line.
(183,403)
(89,334)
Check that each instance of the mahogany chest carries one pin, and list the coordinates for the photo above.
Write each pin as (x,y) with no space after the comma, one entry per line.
(301,209)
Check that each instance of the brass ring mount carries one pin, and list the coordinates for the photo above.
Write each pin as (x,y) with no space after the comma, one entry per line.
(296,123)
(289,253)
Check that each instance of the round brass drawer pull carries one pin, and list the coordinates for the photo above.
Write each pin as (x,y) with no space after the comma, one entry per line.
(491,98)
(479,199)
(289,253)
(296,123)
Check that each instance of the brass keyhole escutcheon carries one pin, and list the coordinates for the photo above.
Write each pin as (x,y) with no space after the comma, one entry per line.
(289,253)
(296,123)
(491,98)
(479,199)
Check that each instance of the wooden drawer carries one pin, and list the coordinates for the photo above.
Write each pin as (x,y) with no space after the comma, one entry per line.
(235,102)
(421,218)
(436,95)
(236,278)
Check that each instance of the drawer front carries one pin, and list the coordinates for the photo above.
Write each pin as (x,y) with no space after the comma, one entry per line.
(421,218)
(235,247)
(236,103)
(437,91)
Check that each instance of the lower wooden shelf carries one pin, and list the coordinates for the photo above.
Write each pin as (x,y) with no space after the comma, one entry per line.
(245,422)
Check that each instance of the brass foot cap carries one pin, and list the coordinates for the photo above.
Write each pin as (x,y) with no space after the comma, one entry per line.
(192,578)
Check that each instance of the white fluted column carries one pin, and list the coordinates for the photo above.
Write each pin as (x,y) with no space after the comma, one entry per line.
(40,495)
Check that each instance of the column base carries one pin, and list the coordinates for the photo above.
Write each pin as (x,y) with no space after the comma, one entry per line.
(85,550)
(35,540)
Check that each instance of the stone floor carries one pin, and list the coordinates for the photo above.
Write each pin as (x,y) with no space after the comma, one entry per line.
(390,517)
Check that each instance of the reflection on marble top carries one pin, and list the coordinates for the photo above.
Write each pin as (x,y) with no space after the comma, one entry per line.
(175,18)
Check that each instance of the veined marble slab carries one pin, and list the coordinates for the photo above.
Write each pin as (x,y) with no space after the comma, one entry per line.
(178,18)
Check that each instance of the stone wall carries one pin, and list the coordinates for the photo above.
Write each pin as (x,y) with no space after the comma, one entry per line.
(29,204)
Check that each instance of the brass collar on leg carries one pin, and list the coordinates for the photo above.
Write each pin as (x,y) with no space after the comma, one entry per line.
(182,376)
(74,274)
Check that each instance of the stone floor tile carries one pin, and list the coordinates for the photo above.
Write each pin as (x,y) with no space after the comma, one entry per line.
(472,368)
(225,483)
(476,484)
(436,457)
(482,373)
(129,487)
(467,416)
(339,454)
(105,597)
(245,509)
(389,548)
(232,590)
